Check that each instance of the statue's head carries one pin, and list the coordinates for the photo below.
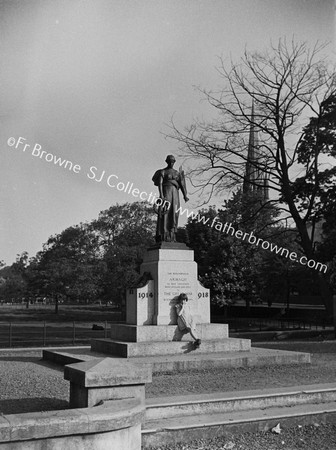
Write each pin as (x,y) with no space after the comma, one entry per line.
(170,159)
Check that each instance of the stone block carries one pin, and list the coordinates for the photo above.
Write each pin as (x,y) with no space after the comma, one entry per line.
(83,397)
(134,349)
(157,333)
(103,379)
(169,254)
(106,372)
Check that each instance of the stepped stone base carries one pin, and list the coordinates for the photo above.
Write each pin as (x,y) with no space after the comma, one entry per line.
(254,357)
(170,432)
(129,341)
(189,361)
(157,333)
(228,402)
(150,348)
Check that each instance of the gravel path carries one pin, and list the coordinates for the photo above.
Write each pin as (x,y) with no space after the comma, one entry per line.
(321,370)
(28,384)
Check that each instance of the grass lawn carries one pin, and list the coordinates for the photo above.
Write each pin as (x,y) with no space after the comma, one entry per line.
(66,313)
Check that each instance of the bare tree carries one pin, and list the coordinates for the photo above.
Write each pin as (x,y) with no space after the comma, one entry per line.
(287,85)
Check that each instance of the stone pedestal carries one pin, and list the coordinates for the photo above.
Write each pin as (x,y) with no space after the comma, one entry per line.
(173,271)
(168,269)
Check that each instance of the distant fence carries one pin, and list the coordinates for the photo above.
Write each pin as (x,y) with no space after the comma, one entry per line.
(42,334)
(277,312)
(261,324)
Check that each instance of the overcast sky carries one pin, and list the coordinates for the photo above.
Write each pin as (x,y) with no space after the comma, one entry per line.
(95,82)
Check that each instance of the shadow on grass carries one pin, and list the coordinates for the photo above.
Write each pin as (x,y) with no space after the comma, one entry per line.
(25,359)
(35,360)
(26,405)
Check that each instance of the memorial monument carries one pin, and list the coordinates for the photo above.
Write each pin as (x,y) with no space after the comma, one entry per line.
(168,270)
(169,182)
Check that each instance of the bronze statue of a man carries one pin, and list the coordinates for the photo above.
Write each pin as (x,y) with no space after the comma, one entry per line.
(169,182)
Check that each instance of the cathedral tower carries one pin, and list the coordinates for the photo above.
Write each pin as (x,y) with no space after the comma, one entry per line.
(255,181)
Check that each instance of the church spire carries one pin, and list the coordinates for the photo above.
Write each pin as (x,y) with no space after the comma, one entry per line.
(251,171)
(254,179)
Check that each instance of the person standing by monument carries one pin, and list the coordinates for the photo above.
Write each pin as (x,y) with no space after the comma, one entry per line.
(169,182)
(185,320)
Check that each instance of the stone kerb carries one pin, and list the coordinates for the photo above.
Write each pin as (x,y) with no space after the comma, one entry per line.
(104,379)
(113,424)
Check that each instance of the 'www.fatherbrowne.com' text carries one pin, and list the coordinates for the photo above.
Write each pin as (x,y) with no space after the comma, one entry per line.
(252,239)
(111,181)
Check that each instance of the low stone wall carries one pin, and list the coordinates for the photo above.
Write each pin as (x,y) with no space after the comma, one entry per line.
(108,405)
(114,424)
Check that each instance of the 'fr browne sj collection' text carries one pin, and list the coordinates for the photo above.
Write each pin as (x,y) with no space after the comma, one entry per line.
(93,173)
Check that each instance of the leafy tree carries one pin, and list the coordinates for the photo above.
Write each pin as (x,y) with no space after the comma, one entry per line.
(226,264)
(276,274)
(285,85)
(13,279)
(326,249)
(69,266)
(98,260)
(315,191)
(123,232)
(235,269)
(125,224)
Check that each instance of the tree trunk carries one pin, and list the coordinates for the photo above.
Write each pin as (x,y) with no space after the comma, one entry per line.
(248,305)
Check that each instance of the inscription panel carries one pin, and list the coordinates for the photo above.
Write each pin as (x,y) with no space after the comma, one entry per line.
(176,283)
